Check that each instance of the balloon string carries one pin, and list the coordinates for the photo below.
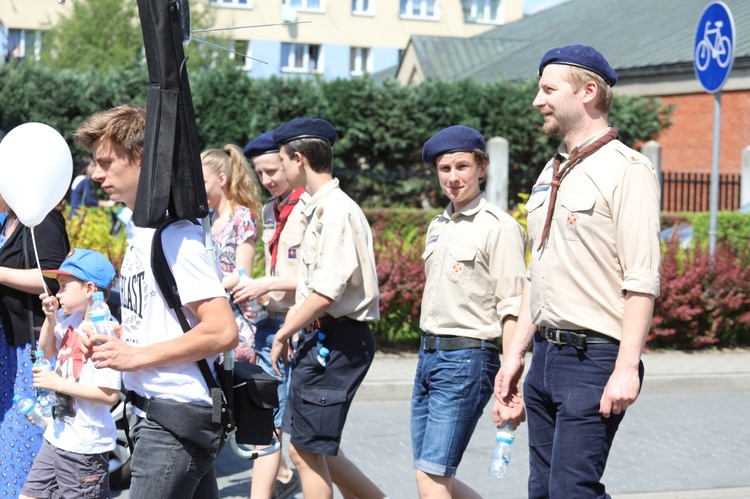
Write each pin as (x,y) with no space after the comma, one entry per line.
(39,265)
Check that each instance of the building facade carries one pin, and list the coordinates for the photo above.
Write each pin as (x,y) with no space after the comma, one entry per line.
(331,38)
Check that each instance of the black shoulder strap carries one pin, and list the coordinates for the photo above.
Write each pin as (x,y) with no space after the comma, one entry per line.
(168,286)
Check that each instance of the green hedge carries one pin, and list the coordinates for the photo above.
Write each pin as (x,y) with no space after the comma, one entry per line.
(697,308)
(381,126)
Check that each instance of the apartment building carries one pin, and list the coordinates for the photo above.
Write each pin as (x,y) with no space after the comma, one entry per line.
(331,38)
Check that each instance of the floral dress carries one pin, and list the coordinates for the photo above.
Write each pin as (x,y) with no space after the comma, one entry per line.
(239,229)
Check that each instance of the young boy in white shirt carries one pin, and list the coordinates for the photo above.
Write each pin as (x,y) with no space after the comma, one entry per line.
(73,460)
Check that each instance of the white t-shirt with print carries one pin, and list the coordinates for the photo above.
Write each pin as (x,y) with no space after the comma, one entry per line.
(146,317)
(79,425)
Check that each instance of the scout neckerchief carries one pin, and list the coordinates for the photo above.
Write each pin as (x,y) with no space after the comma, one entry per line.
(281,217)
(557,174)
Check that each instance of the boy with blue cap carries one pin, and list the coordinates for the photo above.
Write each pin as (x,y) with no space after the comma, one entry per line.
(593,221)
(74,458)
(474,269)
(337,295)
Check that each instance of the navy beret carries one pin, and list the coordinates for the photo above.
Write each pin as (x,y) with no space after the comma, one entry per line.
(263,144)
(582,56)
(304,128)
(457,138)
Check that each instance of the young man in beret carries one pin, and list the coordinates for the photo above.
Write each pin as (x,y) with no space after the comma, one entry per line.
(337,295)
(283,227)
(594,227)
(475,268)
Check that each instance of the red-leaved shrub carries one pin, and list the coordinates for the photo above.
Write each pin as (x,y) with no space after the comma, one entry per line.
(699,305)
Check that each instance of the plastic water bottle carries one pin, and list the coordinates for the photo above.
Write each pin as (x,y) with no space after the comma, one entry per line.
(253,306)
(28,408)
(46,398)
(323,353)
(243,275)
(501,454)
(100,315)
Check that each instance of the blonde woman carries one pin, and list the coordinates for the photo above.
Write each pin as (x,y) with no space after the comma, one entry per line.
(234,196)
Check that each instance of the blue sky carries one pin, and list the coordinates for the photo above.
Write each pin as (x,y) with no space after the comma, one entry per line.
(532,6)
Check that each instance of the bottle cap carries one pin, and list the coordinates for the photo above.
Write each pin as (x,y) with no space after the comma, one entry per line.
(16,397)
(321,335)
(323,352)
(241,271)
(98,296)
(39,354)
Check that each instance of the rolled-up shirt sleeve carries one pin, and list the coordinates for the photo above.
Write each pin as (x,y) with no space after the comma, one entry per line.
(636,214)
(510,268)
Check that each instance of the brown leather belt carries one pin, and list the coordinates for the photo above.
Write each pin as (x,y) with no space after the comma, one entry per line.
(578,338)
(448,343)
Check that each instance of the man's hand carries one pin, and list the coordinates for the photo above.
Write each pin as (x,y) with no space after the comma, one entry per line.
(621,391)
(46,379)
(279,350)
(507,390)
(110,351)
(250,290)
(515,415)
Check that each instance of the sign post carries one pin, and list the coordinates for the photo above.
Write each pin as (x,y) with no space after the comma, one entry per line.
(713,57)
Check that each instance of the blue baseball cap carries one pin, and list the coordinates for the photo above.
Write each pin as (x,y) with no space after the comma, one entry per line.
(305,128)
(457,138)
(581,56)
(86,265)
(260,145)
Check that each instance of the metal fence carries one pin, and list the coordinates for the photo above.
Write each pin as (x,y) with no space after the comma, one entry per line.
(692,191)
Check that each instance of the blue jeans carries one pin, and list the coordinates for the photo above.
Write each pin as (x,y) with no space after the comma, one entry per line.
(451,389)
(569,441)
(264,335)
(166,467)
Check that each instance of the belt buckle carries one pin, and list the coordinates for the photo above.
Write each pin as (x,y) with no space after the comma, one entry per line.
(557,337)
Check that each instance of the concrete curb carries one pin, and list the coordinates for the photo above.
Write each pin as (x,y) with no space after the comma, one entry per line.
(732,493)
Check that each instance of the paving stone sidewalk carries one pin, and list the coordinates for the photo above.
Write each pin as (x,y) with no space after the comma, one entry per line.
(686,437)
(391,375)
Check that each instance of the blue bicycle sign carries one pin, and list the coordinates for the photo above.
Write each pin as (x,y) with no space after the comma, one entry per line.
(714,46)
(719,49)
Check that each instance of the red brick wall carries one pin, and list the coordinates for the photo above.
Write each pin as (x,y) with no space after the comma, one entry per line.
(687,144)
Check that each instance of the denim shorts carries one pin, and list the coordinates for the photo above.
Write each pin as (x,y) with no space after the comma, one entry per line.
(264,335)
(59,473)
(451,389)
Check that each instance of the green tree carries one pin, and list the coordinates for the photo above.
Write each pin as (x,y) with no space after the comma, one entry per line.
(99,34)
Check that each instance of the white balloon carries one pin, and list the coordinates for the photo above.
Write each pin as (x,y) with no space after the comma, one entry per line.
(35,170)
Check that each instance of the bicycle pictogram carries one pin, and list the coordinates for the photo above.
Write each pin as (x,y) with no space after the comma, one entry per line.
(719,49)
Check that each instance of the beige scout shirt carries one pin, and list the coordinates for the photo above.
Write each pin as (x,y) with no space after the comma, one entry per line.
(287,257)
(604,240)
(475,268)
(337,256)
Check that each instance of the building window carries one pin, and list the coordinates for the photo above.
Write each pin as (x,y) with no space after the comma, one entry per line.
(241,54)
(482,11)
(300,58)
(420,9)
(245,4)
(24,44)
(304,5)
(363,7)
(360,61)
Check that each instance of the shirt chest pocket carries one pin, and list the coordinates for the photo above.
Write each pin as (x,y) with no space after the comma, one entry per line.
(459,264)
(576,215)
(290,244)
(535,214)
